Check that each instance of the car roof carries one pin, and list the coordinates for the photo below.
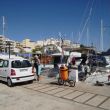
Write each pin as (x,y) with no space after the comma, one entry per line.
(2,56)
(12,59)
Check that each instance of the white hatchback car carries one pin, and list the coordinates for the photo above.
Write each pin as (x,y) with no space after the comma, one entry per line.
(15,70)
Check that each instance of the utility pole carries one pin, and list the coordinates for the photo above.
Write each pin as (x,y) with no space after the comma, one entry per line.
(9,44)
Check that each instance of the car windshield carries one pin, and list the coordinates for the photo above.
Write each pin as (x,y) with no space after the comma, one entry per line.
(20,64)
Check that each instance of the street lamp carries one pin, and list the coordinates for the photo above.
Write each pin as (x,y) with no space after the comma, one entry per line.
(9,44)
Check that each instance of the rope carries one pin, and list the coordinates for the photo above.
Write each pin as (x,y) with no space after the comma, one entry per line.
(86,22)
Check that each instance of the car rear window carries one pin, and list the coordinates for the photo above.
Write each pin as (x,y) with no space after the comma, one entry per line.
(20,64)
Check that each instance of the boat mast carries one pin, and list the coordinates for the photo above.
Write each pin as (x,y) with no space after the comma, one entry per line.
(101,39)
(3,33)
(87,43)
(3,26)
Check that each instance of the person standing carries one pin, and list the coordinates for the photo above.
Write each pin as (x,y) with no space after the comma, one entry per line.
(36,65)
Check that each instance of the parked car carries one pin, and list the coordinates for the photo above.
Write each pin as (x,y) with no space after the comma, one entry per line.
(15,70)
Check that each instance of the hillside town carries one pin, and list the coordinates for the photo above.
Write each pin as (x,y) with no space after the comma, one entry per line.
(29,46)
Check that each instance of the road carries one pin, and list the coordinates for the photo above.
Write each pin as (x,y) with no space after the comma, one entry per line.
(46,95)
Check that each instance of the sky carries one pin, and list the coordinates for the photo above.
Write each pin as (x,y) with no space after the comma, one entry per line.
(69,19)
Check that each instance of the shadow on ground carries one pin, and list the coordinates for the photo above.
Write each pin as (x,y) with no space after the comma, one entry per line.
(54,83)
(17,84)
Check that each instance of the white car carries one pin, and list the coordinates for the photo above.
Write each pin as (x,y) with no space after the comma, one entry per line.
(15,70)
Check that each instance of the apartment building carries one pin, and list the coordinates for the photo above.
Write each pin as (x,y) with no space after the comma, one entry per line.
(28,45)
(1,43)
(5,43)
(10,43)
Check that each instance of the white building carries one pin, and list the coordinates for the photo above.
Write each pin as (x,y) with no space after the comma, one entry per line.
(10,43)
(28,45)
(4,44)
(39,43)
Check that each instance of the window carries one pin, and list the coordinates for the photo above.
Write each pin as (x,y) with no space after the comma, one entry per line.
(1,63)
(20,64)
(5,64)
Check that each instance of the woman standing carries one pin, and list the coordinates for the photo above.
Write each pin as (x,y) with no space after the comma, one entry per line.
(36,65)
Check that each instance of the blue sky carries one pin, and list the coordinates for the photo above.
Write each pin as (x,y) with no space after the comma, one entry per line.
(40,19)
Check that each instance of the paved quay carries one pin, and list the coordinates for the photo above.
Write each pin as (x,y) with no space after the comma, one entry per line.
(47,95)
(82,93)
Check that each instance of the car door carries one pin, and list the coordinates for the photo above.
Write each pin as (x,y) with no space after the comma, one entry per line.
(5,69)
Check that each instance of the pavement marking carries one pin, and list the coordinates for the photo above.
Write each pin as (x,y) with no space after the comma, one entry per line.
(98,99)
(55,91)
(32,86)
(84,97)
(73,95)
(47,89)
(106,104)
(62,93)
(40,87)
(87,98)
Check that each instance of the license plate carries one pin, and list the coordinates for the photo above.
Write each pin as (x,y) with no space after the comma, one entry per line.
(21,70)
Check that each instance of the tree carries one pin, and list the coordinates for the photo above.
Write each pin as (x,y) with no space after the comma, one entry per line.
(37,48)
(22,50)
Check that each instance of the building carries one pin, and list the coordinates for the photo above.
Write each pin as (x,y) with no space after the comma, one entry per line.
(10,43)
(18,44)
(39,43)
(25,43)
(5,43)
(28,45)
(49,41)
(2,42)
